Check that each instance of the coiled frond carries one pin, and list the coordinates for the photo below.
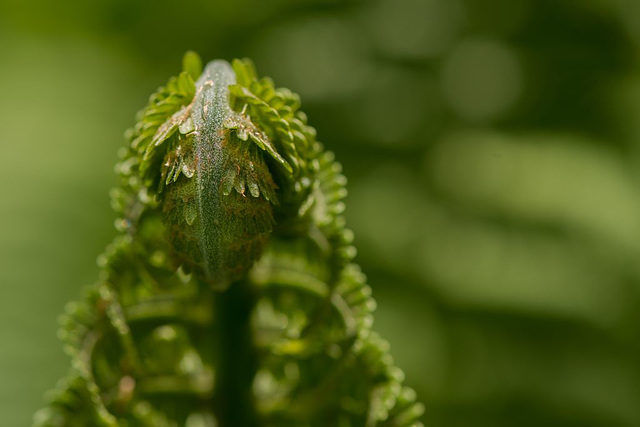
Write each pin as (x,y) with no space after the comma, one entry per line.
(230,296)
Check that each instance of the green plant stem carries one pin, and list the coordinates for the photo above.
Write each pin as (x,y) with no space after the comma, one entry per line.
(237,361)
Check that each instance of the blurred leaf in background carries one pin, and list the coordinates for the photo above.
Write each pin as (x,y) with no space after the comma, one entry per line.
(492,149)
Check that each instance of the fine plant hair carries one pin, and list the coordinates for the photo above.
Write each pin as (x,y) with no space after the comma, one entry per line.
(229,296)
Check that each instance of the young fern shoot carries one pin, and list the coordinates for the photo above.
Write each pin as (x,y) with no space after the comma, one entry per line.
(229,297)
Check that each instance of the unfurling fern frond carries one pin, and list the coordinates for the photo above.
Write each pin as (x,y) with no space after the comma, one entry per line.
(230,297)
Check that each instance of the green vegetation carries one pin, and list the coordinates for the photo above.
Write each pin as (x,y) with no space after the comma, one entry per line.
(492,154)
(224,187)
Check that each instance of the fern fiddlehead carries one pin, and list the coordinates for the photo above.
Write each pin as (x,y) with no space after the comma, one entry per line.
(229,297)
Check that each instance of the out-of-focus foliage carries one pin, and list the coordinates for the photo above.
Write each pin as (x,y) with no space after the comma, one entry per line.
(491,147)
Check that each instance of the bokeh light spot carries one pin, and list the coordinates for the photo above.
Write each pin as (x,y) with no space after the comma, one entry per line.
(398,109)
(482,79)
(415,28)
(321,58)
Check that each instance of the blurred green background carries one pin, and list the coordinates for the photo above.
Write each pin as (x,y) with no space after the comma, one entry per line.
(492,149)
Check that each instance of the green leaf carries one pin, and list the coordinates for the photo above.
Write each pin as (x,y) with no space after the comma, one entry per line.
(192,64)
